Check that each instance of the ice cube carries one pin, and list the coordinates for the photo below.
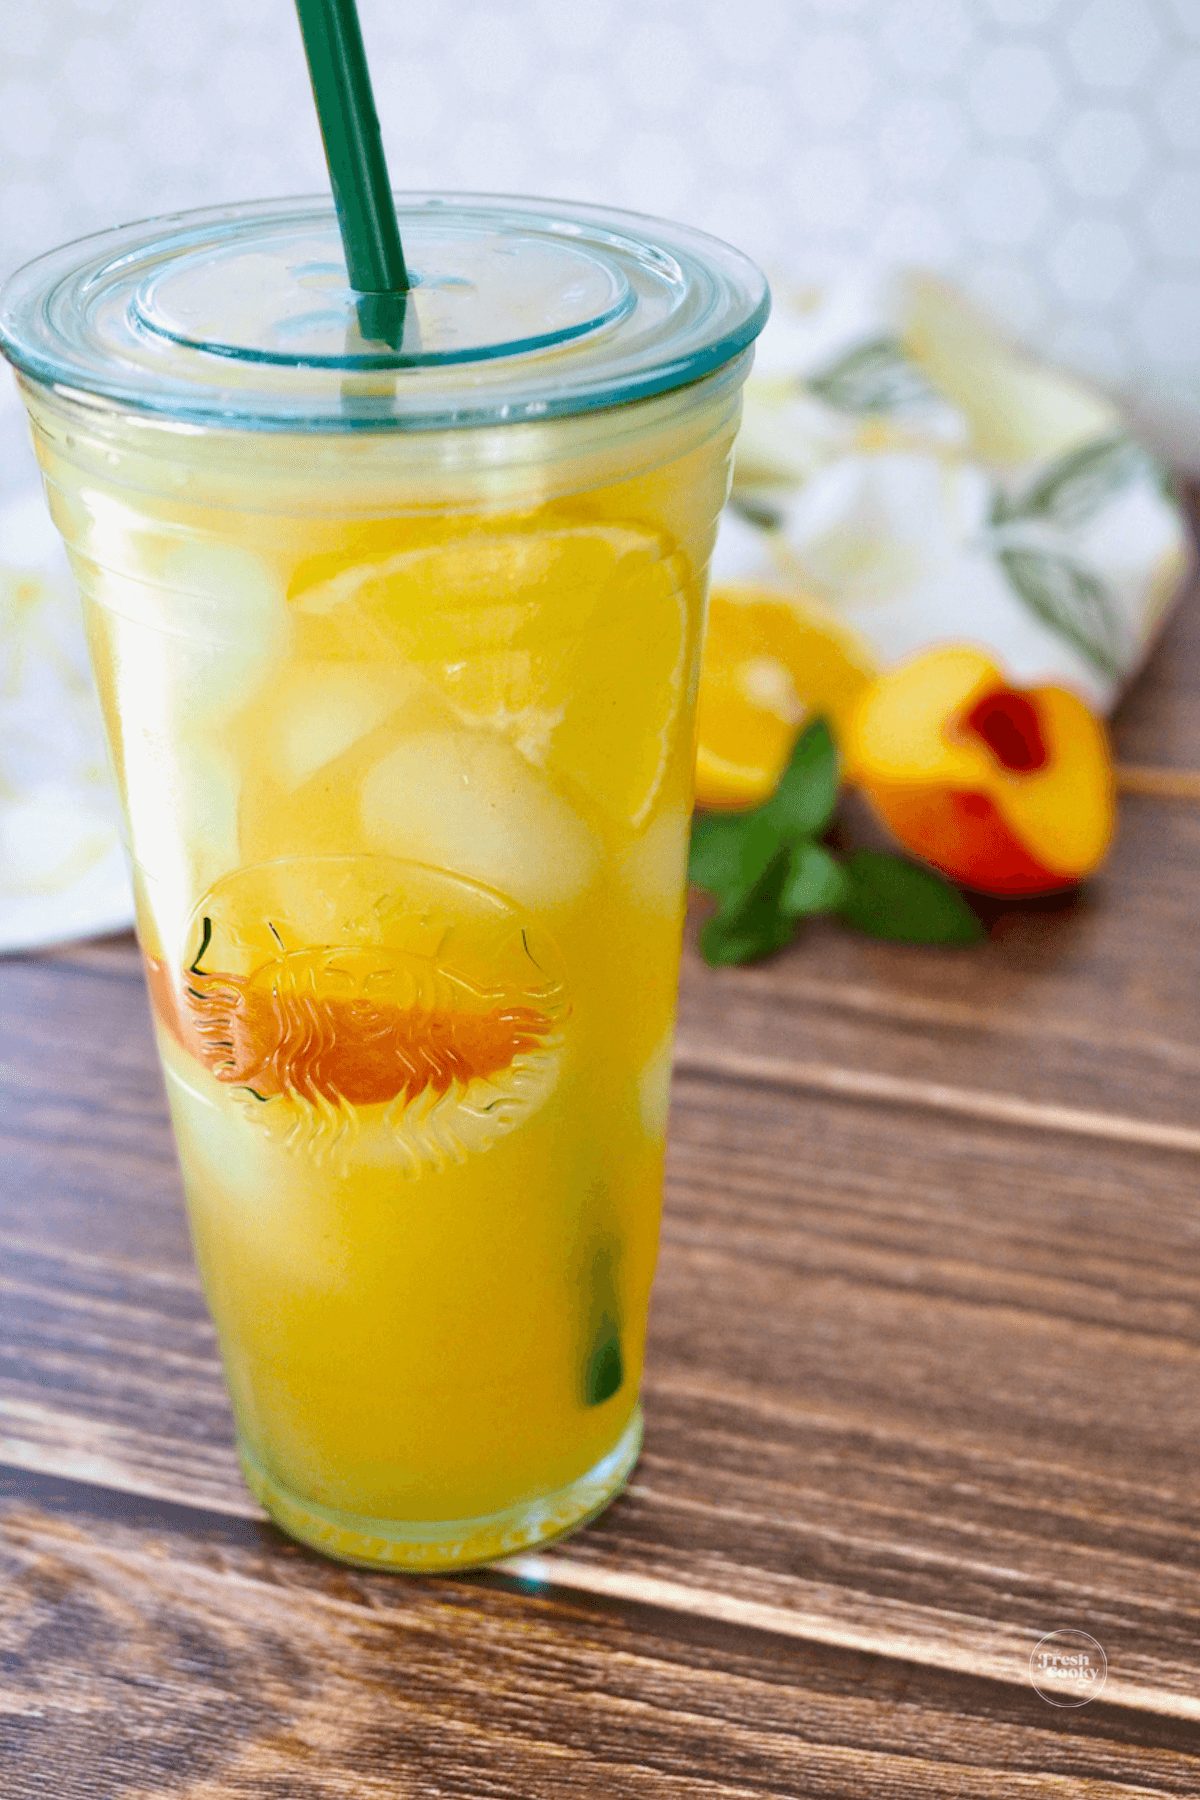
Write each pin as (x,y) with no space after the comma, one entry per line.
(469,803)
(179,777)
(652,870)
(319,710)
(213,621)
(183,807)
(654,1087)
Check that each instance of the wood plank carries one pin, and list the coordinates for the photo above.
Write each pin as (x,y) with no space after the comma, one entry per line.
(922,1385)
(1158,722)
(936,1096)
(82,1110)
(154,1650)
(930,1394)
(1091,1003)
(1163,784)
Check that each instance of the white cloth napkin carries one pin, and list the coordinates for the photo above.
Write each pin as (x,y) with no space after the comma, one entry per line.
(904,464)
(62,868)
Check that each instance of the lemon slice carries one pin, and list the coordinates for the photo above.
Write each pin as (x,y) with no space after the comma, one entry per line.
(570,641)
(771,662)
(620,719)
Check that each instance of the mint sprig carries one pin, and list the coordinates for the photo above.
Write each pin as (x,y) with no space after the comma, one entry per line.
(768,872)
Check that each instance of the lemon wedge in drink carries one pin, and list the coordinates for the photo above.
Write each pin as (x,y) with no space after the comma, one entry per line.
(567,639)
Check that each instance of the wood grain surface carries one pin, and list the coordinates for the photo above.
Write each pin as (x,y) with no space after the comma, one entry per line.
(923,1385)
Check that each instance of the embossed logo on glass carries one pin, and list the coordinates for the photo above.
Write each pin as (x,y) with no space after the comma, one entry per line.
(341,998)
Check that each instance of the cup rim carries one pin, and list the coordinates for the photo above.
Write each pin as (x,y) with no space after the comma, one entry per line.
(89,320)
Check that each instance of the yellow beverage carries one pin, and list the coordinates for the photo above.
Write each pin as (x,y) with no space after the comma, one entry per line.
(404,726)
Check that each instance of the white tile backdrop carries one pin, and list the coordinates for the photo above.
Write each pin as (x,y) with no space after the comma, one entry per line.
(1047,152)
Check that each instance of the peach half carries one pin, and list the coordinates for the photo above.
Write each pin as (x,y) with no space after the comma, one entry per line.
(1005,789)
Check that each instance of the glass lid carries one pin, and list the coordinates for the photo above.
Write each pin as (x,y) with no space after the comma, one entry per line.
(519,309)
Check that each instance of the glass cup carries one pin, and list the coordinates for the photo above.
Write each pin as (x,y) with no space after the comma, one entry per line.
(396,634)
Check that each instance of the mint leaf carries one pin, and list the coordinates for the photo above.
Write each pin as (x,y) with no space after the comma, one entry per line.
(759,845)
(751,925)
(605,1369)
(802,805)
(715,854)
(729,852)
(815,883)
(604,1365)
(768,873)
(888,897)
(762,866)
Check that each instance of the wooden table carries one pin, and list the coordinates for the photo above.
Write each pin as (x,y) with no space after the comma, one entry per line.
(924,1385)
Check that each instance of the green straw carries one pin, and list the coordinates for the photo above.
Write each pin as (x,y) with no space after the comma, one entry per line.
(341,84)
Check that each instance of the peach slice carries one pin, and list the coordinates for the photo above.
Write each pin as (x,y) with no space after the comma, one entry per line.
(1008,790)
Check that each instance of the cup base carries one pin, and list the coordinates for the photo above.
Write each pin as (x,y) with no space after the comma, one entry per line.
(430,1544)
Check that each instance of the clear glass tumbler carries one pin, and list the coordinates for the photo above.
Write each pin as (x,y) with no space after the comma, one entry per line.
(397,650)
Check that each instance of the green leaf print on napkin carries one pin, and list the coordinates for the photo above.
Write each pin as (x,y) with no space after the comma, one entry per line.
(1070,601)
(874,378)
(1080,484)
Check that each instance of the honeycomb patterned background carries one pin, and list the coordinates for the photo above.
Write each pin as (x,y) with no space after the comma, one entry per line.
(1044,152)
